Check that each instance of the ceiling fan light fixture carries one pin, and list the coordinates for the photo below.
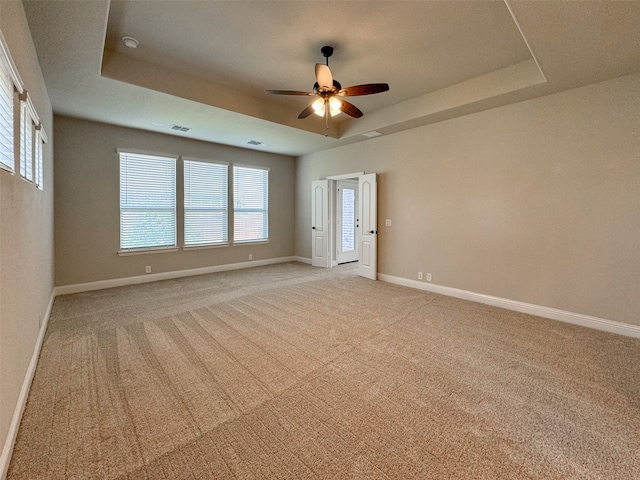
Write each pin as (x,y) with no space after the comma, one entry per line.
(318,107)
(334,106)
(329,92)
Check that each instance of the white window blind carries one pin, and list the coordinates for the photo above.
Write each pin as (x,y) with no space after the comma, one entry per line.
(6,119)
(205,203)
(147,201)
(38,159)
(26,142)
(250,204)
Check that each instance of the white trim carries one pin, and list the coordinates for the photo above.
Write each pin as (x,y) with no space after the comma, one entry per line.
(187,248)
(251,167)
(148,153)
(147,250)
(5,54)
(302,260)
(154,277)
(43,135)
(345,176)
(203,160)
(12,434)
(538,310)
(26,99)
(251,242)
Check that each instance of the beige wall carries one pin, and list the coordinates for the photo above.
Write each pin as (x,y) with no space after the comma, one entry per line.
(537,202)
(87,203)
(26,231)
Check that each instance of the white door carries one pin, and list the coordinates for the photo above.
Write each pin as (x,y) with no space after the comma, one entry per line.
(346,211)
(320,223)
(368,218)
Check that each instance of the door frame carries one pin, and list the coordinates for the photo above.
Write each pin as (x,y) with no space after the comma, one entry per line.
(369,270)
(351,256)
(333,192)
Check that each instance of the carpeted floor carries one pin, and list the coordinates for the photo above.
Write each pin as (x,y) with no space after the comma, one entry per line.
(288,371)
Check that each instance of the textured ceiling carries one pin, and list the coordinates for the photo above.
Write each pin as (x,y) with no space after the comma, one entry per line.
(206,64)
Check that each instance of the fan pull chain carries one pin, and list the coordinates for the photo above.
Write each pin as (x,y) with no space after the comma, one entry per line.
(326,114)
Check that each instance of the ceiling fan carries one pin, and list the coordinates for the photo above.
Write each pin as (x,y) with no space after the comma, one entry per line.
(330,101)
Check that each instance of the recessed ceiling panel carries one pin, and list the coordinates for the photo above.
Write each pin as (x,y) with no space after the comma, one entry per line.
(250,46)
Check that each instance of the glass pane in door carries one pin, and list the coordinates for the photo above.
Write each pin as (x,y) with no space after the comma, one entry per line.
(348,219)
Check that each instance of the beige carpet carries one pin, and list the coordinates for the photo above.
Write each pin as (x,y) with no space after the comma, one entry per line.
(293,372)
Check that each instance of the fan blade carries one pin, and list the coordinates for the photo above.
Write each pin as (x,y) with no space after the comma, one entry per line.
(288,92)
(350,109)
(323,75)
(306,112)
(368,89)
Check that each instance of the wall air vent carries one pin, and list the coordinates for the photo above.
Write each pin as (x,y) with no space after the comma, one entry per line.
(180,128)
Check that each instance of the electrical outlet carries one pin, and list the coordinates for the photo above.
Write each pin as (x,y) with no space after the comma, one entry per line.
(387,222)
(251,256)
(147,269)
(428,277)
(419,275)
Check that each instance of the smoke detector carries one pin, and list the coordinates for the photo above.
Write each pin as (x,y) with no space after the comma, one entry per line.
(130,42)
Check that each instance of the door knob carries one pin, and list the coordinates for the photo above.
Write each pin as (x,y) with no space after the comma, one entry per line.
(313,228)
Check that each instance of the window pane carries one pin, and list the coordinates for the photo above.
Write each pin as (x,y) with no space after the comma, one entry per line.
(205,203)
(205,227)
(348,219)
(249,226)
(147,201)
(250,204)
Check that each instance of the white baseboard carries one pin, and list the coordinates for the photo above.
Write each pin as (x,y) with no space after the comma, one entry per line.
(154,277)
(538,310)
(302,260)
(12,434)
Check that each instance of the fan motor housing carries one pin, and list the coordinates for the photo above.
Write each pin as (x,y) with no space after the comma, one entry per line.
(326,51)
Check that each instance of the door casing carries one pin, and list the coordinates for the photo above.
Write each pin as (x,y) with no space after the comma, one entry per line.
(370,240)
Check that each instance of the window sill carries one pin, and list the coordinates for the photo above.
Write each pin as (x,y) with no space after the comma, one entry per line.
(252,242)
(202,247)
(146,251)
(6,168)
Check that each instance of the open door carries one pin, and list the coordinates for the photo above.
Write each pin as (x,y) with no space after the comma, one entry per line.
(368,218)
(320,223)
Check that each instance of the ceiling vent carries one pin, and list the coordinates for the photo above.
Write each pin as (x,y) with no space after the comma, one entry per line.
(257,143)
(372,133)
(180,128)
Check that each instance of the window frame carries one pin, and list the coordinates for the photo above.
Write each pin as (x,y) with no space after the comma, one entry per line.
(265,208)
(186,208)
(9,71)
(28,121)
(133,250)
(40,139)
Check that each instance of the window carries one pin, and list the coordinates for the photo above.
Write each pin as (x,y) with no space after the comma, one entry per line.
(9,78)
(205,203)
(250,204)
(26,140)
(6,118)
(147,201)
(38,156)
